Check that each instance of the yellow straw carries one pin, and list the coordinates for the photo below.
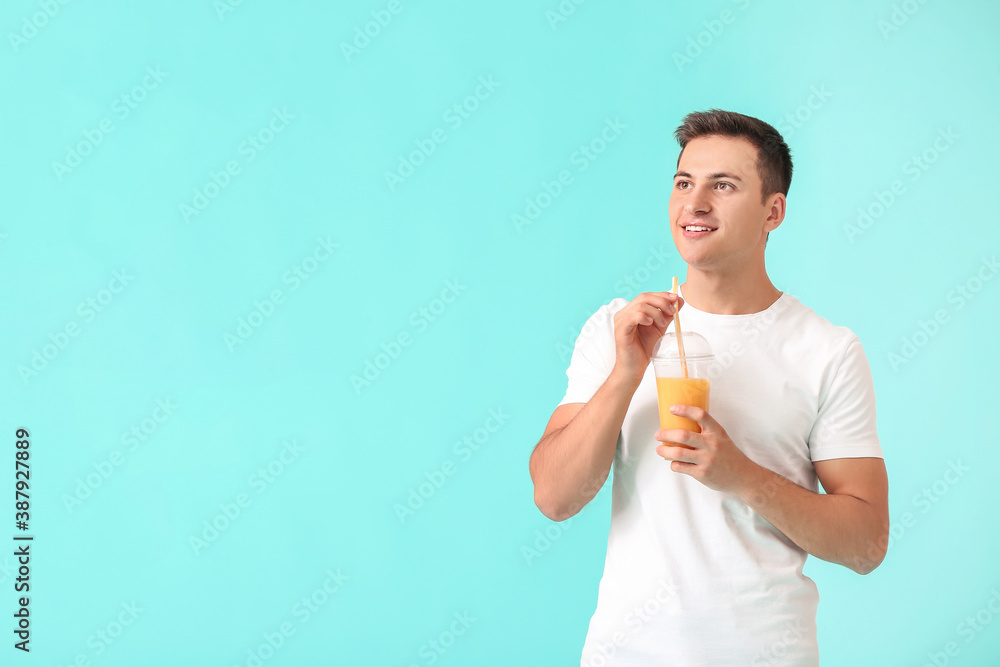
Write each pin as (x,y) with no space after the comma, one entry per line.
(680,341)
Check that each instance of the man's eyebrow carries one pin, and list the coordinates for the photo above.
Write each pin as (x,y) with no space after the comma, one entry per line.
(713,177)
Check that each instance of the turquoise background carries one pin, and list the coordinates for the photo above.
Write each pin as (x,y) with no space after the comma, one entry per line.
(880,91)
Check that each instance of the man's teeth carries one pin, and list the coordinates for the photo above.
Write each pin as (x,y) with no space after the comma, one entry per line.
(696,228)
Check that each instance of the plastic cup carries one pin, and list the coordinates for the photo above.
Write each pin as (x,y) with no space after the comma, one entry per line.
(671,385)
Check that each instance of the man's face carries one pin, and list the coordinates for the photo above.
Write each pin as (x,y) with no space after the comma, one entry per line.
(717,186)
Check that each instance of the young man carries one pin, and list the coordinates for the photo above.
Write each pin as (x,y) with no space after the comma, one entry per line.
(707,544)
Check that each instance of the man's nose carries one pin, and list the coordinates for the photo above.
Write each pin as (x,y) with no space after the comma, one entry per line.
(698,202)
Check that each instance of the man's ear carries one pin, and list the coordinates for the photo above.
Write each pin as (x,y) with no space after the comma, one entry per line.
(776,212)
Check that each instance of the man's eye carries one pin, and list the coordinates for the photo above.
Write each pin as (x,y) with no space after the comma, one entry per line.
(725,185)
(682,185)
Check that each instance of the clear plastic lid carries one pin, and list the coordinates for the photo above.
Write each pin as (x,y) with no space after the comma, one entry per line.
(696,348)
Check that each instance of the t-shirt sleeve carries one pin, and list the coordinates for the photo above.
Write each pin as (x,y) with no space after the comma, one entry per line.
(593,355)
(845,423)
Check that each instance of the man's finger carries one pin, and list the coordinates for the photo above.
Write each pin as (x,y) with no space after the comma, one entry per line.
(682,467)
(661,300)
(656,316)
(695,414)
(678,436)
(675,453)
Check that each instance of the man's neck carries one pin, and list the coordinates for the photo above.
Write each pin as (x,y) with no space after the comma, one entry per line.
(729,293)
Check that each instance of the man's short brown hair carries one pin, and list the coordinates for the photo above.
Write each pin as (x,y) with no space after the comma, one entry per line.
(774,160)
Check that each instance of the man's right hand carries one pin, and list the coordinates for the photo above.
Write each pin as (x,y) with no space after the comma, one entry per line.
(574,457)
(637,328)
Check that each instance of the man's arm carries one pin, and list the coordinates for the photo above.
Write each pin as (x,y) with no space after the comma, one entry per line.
(573,459)
(849,525)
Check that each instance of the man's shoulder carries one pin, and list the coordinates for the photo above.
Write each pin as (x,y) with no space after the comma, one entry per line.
(607,311)
(616,304)
(812,328)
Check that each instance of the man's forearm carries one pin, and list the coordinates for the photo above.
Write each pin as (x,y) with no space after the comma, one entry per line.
(834,527)
(569,466)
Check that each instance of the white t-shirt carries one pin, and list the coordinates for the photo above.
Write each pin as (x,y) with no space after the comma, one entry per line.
(694,577)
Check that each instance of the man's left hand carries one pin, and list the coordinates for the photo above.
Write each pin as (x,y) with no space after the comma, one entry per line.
(714,460)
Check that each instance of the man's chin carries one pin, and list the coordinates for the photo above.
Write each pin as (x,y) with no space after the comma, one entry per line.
(695,258)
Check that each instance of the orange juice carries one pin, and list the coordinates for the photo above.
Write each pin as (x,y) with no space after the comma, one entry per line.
(687,391)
